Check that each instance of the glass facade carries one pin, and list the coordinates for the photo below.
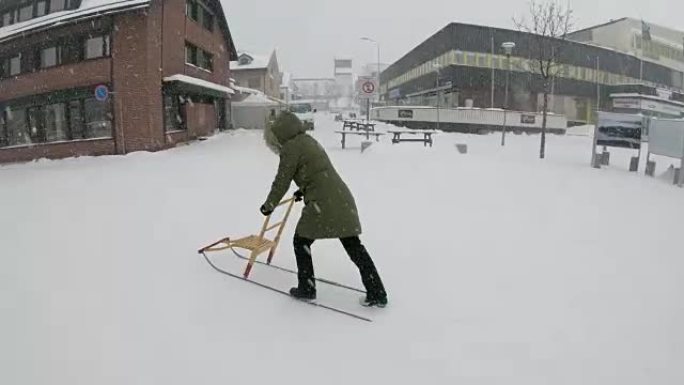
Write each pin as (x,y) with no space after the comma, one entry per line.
(66,115)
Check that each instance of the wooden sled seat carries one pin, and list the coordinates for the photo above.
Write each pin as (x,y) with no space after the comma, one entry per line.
(253,243)
(256,244)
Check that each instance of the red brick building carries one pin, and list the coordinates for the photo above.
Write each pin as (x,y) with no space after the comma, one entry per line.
(95,77)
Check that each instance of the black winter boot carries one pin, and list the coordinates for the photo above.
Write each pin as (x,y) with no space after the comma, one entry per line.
(304,292)
(375,290)
(306,289)
(371,301)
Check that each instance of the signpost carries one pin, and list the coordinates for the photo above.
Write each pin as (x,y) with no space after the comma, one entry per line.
(666,138)
(367,88)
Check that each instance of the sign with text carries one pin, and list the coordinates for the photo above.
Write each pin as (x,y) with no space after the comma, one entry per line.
(619,130)
(406,114)
(528,119)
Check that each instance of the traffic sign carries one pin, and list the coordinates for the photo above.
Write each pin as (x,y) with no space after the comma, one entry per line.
(367,87)
(101,93)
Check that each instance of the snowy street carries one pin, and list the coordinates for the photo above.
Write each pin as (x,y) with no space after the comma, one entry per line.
(500,268)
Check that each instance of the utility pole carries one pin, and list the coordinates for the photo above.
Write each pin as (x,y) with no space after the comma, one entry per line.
(508,48)
(492,65)
(378,64)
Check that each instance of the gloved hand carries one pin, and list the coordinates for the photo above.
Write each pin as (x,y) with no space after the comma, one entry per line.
(298,196)
(265,210)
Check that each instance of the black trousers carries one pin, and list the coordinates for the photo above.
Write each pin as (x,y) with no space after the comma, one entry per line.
(357,253)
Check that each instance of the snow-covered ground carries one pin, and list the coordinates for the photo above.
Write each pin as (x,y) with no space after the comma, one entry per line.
(501,269)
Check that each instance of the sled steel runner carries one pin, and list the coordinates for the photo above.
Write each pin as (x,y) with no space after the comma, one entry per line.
(283,292)
(321,280)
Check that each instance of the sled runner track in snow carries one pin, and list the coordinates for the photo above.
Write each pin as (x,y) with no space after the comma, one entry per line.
(283,292)
(321,280)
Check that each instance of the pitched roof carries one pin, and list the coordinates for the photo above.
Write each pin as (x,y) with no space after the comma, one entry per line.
(88,9)
(94,8)
(256,62)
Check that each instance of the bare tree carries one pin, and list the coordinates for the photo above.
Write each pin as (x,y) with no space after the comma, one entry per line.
(548,28)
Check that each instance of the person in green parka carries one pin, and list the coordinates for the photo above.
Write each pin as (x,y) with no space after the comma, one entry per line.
(330,210)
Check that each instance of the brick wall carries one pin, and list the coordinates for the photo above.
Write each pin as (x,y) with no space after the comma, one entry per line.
(58,150)
(177,30)
(83,74)
(136,55)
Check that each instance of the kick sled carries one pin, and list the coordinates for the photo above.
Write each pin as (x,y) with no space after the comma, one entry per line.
(257,245)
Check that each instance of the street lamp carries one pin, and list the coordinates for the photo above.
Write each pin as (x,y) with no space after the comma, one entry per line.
(508,49)
(378,45)
(378,74)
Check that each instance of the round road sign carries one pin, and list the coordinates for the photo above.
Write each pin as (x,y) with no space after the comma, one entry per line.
(101,93)
(368,87)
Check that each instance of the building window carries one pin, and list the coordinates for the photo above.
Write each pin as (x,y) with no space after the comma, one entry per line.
(200,13)
(47,121)
(14,65)
(36,127)
(98,118)
(96,47)
(6,19)
(76,122)
(254,83)
(191,9)
(207,19)
(198,57)
(35,8)
(173,119)
(190,54)
(55,122)
(57,5)
(206,60)
(15,126)
(49,57)
(41,8)
(25,13)
(471,60)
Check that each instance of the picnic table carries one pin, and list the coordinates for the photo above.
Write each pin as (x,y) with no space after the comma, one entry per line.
(367,134)
(358,125)
(426,139)
(350,124)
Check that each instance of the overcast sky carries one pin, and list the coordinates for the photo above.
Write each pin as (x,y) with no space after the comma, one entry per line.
(308,34)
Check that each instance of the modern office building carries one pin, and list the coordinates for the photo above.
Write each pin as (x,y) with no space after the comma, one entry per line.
(464,66)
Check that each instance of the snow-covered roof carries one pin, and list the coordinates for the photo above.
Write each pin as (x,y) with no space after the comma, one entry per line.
(256,62)
(649,97)
(256,100)
(199,82)
(254,97)
(88,9)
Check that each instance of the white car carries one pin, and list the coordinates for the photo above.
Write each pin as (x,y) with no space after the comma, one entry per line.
(305,113)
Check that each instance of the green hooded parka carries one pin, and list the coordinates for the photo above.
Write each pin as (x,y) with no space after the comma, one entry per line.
(330,210)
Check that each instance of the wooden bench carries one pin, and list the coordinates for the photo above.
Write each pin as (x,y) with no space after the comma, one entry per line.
(426,139)
(367,134)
